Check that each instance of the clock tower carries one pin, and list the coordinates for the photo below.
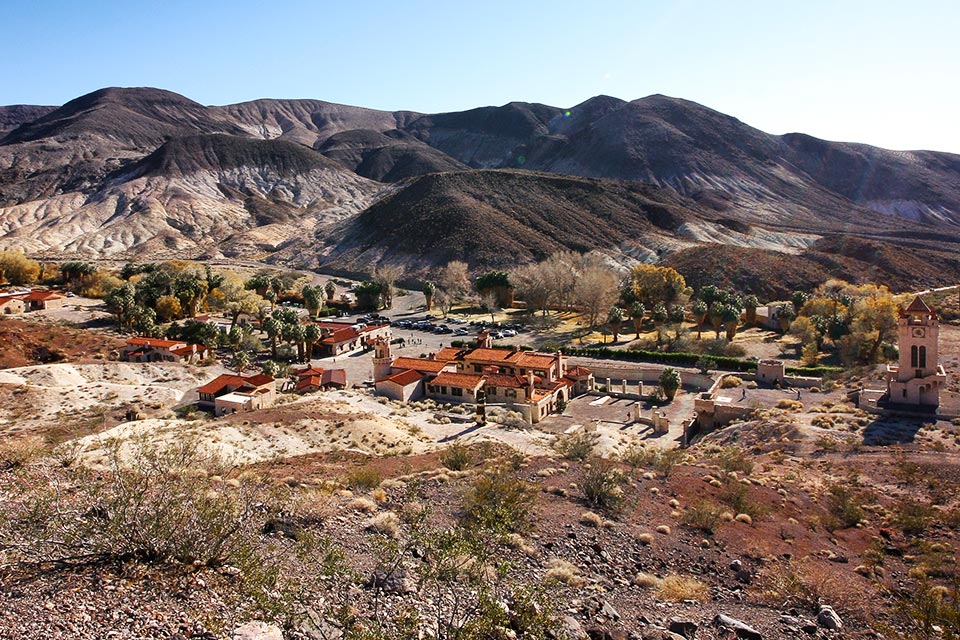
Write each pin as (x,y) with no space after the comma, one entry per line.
(919,377)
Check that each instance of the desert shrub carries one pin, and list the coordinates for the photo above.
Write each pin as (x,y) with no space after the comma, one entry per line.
(703,515)
(667,460)
(17,453)
(912,515)
(789,405)
(365,477)
(590,519)
(559,570)
(930,610)
(602,486)
(735,459)
(844,507)
(456,457)
(499,501)
(636,455)
(154,505)
(386,523)
(806,584)
(730,382)
(576,446)
(680,588)
(737,497)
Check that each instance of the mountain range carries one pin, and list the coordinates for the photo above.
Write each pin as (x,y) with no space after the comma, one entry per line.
(140,172)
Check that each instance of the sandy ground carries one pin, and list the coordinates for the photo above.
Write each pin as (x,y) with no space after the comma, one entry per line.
(334,421)
(42,397)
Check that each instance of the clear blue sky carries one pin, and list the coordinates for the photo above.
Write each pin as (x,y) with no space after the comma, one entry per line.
(881,72)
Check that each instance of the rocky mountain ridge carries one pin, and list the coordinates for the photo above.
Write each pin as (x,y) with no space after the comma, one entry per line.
(77,179)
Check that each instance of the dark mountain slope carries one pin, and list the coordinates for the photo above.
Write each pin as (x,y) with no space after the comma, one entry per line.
(485,137)
(498,218)
(386,158)
(15,115)
(775,275)
(184,156)
(139,117)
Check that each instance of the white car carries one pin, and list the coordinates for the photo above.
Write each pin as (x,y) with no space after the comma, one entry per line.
(509,333)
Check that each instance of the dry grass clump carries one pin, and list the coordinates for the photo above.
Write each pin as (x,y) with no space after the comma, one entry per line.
(386,523)
(730,382)
(590,519)
(366,505)
(744,518)
(363,478)
(646,581)
(576,446)
(663,529)
(559,570)
(790,405)
(645,538)
(680,588)
(704,515)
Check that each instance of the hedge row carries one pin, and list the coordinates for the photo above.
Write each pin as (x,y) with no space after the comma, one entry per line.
(724,363)
(663,357)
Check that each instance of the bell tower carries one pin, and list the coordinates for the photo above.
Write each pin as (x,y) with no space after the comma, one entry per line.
(918,377)
(382,359)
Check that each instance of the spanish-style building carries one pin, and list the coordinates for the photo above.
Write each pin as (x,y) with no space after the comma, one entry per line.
(531,382)
(337,338)
(314,379)
(918,377)
(230,393)
(30,300)
(156,350)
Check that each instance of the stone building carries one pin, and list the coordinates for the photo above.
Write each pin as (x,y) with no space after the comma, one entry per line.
(918,377)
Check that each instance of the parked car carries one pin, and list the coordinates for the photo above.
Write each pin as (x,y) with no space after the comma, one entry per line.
(508,333)
(461,332)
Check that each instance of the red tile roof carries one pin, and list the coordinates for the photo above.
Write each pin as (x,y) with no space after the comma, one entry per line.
(403,378)
(538,360)
(447,354)
(489,355)
(419,364)
(40,296)
(225,380)
(505,381)
(461,380)
(154,342)
(577,372)
(918,306)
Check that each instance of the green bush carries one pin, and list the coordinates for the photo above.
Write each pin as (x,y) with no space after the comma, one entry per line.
(844,507)
(499,501)
(576,446)
(704,515)
(602,486)
(365,477)
(456,457)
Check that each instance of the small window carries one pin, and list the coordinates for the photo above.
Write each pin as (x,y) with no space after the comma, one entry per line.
(457,391)
(904,393)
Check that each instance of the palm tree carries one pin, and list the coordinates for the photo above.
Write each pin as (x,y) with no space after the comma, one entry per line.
(428,290)
(717,310)
(241,360)
(750,303)
(670,381)
(615,318)
(637,313)
(330,289)
(273,328)
(731,318)
(701,310)
(312,333)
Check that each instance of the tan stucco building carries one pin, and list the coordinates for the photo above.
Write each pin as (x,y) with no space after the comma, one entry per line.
(918,377)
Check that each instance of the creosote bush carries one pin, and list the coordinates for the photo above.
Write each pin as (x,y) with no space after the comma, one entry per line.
(365,477)
(456,457)
(576,446)
(602,486)
(499,501)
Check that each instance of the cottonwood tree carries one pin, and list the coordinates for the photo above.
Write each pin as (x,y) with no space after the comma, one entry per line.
(561,271)
(17,269)
(651,284)
(533,287)
(595,290)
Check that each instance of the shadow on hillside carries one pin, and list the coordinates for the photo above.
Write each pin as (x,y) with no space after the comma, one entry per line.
(887,431)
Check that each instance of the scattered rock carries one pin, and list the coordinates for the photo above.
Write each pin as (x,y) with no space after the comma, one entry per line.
(257,630)
(571,629)
(398,581)
(828,618)
(685,628)
(741,629)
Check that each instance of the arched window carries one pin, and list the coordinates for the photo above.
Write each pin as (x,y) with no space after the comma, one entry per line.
(923,358)
(913,357)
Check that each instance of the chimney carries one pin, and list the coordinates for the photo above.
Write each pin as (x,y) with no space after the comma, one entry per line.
(530,385)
